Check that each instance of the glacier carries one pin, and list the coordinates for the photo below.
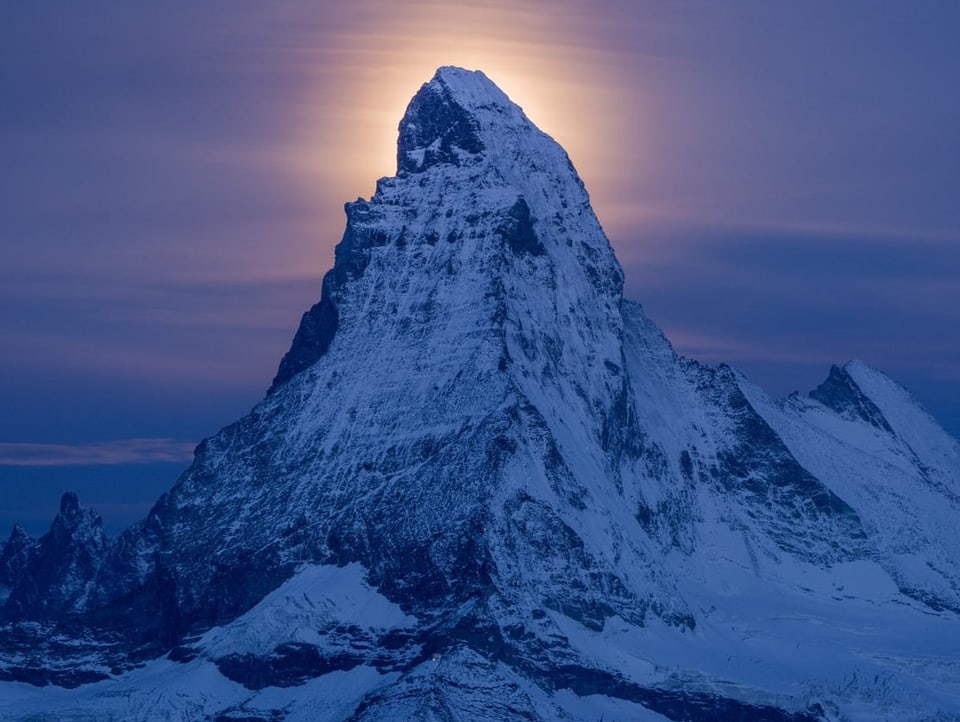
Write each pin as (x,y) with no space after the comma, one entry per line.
(483,486)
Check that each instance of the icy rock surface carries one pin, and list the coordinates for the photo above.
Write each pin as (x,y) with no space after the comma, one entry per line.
(483,486)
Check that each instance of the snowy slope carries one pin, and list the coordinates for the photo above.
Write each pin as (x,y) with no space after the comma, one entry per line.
(484,486)
(873,445)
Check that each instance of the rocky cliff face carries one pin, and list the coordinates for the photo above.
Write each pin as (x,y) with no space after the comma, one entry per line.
(55,575)
(483,486)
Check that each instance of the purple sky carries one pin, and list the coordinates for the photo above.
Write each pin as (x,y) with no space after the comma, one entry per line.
(779,180)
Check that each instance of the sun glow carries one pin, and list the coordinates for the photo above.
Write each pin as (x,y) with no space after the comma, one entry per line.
(530,54)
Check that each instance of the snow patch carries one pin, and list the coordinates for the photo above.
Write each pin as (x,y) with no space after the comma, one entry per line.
(314,598)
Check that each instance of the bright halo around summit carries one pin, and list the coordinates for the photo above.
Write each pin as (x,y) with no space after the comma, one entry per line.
(520,51)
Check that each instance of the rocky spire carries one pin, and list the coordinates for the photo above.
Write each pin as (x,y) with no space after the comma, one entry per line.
(55,572)
(467,150)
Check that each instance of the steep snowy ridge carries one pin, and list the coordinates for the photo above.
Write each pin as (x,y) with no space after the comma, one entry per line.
(484,486)
(926,440)
(900,470)
(729,463)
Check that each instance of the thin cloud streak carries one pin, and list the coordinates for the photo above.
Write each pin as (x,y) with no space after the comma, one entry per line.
(105,453)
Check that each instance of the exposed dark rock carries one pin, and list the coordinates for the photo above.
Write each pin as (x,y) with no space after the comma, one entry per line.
(289,665)
(15,559)
(317,328)
(54,574)
(840,393)
(518,232)
(435,129)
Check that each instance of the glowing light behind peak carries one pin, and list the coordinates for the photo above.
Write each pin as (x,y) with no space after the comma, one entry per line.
(531,53)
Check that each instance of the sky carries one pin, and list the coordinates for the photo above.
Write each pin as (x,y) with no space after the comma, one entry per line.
(779,181)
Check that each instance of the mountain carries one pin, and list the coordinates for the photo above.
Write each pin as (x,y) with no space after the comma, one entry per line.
(483,486)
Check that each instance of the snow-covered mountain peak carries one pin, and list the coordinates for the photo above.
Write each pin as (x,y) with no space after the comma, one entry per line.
(909,421)
(485,209)
(484,486)
(462,127)
(841,394)
(857,392)
(454,119)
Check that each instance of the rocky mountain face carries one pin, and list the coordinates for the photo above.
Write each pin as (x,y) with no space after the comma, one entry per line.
(483,486)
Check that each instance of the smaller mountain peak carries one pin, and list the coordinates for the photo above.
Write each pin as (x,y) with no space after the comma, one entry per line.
(18,534)
(73,517)
(841,393)
(69,504)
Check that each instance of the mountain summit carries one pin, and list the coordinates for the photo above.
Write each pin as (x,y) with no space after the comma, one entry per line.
(477,186)
(457,118)
(483,486)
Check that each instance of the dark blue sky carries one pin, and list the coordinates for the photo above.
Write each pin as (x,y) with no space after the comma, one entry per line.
(779,180)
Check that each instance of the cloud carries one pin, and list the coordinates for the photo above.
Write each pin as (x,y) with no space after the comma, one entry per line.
(104,453)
